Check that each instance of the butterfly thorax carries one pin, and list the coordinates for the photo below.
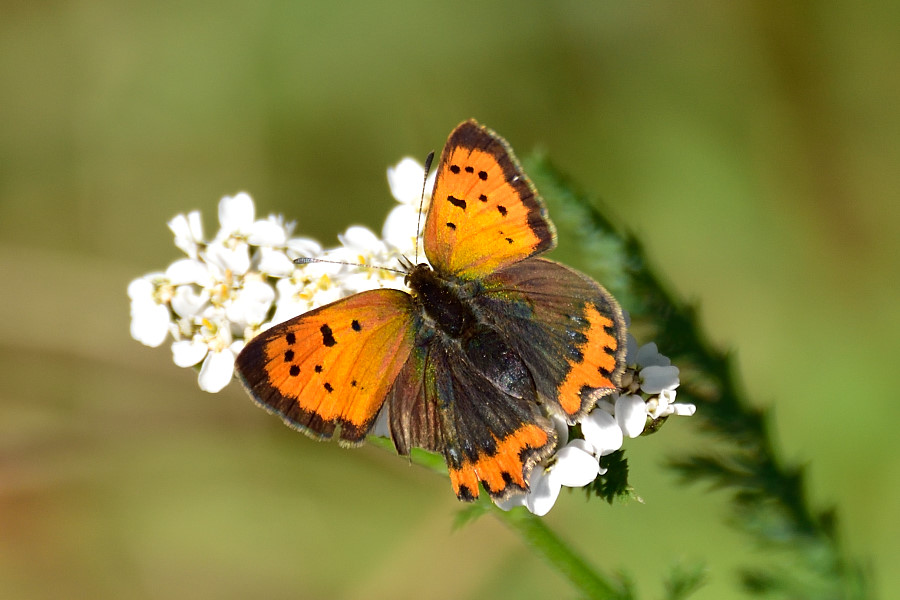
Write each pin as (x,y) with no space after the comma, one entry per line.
(444,301)
(447,303)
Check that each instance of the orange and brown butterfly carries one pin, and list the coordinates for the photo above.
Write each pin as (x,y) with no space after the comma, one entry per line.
(489,341)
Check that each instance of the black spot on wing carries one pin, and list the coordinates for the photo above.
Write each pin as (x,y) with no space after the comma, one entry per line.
(464,493)
(575,356)
(328,387)
(579,320)
(501,209)
(451,225)
(482,197)
(470,169)
(289,356)
(454,169)
(294,370)
(318,368)
(355,325)
(327,336)
(290,338)
(482,175)
(457,202)
(576,337)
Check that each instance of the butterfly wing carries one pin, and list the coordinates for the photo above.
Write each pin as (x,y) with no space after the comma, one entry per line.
(569,331)
(491,430)
(333,365)
(413,417)
(485,213)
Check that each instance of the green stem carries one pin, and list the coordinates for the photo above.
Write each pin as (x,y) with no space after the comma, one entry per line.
(559,554)
(535,533)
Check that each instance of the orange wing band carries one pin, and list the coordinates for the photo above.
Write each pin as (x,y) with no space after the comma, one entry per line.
(597,365)
(503,470)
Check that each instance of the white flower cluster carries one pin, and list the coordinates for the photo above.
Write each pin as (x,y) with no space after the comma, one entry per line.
(647,394)
(227,290)
(244,280)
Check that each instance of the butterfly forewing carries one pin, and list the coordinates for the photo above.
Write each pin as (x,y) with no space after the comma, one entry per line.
(333,365)
(484,211)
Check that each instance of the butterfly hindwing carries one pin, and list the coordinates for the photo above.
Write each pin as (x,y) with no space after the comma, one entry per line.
(484,211)
(472,399)
(414,421)
(569,331)
(333,365)
(493,433)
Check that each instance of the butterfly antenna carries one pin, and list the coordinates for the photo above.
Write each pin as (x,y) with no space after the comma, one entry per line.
(428,160)
(303,260)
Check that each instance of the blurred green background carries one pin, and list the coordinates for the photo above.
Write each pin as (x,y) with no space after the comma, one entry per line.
(752,146)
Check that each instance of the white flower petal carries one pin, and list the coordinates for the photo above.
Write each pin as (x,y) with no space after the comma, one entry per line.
(324,297)
(631,350)
(288,309)
(514,500)
(236,214)
(267,232)
(543,494)
(608,403)
(631,415)
(382,426)
(655,379)
(217,371)
(141,289)
(314,271)
(251,307)
(361,238)
(581,445)
(150,322)
(602,432)
(188,270)
(562,430)
(234,258)
(662,405)
(574,466)
(188,231)
(406,181)
(187,353)
(179,226)
(684,410)
(188,302)
(275,262)
(648,356)
(364,280)
(399,231)
(298,247)
(196,225)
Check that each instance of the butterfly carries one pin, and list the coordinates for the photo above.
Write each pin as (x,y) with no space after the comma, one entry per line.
(489,342)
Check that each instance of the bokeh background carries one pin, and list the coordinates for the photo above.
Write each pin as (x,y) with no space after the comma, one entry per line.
(752,146)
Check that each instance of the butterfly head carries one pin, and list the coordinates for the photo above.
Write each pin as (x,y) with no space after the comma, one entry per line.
(415,273)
